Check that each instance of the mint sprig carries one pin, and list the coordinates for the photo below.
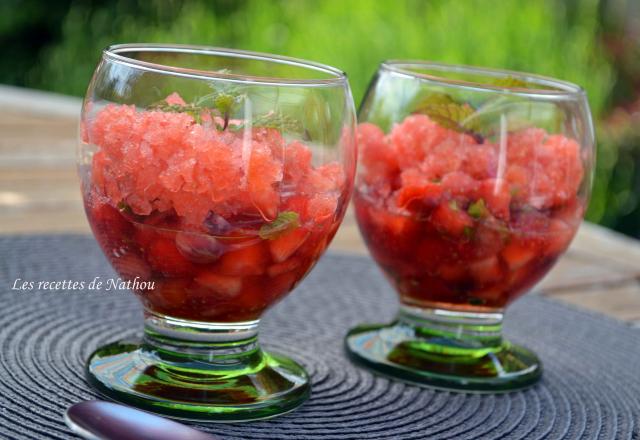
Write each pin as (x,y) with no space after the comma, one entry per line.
(449,113)
(284,222)
(191,109)
(223,103)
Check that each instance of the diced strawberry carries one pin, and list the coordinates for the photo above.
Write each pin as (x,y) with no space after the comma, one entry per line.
(251,300)
(315,244)
(496,196)
(559,237)
(449,218)
(394,234)
(391,223)
(489,238)
(145,235)
(487,270)
(411,288)
(489,295)
(246,261)
(431,252)
(108,221)
(454,272)
(417,190)
(168,294)
(414,197)
(286,266)
(164,257)
(284,246)
(279,285)
(129,265)
(222,284)
(517,255)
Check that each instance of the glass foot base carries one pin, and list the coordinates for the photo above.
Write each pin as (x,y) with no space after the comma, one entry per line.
(261,386)
(442,359)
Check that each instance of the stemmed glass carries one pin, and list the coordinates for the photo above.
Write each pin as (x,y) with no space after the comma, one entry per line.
(471,183)
(213,180)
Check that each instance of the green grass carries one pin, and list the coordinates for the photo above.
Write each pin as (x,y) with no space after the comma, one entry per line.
(537,36)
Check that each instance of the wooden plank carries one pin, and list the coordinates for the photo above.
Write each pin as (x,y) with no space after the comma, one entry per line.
(620,300)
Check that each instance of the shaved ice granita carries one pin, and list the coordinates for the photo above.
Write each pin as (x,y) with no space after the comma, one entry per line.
(218,178)
(471,184)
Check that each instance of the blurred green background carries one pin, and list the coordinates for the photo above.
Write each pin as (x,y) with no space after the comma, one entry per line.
(595,43)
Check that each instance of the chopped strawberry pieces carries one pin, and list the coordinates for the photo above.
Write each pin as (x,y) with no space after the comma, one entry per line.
(164,257)
(517,255)
(451,219)
(248,260)
(466,220)
(487,270)
(418,191)
(497,197)
(284,246)
(285,266)
(226,285)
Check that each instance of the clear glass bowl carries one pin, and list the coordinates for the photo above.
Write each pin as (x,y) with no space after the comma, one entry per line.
(213,180)
(471,184)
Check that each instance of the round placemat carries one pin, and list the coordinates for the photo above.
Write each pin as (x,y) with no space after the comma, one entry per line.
(590,389)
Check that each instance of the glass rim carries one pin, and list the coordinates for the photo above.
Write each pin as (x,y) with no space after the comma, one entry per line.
(556,87)
(117,53)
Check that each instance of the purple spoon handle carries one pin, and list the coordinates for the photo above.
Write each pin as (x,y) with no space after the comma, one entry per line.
(96,419)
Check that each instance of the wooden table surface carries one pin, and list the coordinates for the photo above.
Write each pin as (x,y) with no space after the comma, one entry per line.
(39,193)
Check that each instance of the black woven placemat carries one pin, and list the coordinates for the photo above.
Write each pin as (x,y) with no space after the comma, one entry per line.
(591,385)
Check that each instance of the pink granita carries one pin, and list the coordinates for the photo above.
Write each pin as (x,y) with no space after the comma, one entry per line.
(157,161)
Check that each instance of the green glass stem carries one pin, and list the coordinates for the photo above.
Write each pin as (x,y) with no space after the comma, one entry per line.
(446,349)
(199,371)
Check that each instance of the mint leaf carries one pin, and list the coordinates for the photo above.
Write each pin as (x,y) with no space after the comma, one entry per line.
(223,104)
(191,109)
(478,209)
(511,82)
(448,113)
(286,221)
(279,121)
